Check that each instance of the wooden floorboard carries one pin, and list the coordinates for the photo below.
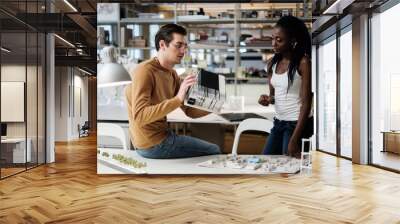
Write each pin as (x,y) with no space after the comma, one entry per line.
(70,191)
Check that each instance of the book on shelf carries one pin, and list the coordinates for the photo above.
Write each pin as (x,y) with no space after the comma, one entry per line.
(259,42)
(103,36)
(126,35)
(138,41)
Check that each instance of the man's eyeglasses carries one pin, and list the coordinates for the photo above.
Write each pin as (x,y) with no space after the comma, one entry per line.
(179,46)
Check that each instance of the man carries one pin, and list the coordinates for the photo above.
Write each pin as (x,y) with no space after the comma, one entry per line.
(156,90)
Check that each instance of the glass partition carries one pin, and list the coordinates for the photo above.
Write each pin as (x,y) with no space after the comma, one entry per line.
(22,76)
(13,103)
(31,98)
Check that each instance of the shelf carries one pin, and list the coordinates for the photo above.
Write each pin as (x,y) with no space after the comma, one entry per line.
(235,53)
(210,46)
(249,54)
(225,27)
(195,21)
(200,46)
(106,23)
(137,48)
(206,21)
(190,47)
(247,80)
(256,47)
(266,20)
(146,21)
(165,21)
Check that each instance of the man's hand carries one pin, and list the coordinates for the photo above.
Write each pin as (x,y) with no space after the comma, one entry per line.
(294,149)
(264,100)
(189,81)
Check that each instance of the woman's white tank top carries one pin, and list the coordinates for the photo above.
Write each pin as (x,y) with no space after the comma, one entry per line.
(287,103)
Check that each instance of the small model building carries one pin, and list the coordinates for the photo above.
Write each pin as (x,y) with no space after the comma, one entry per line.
(257,163)
(209,93)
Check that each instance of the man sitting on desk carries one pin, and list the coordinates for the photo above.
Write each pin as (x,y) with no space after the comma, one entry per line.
(156,90)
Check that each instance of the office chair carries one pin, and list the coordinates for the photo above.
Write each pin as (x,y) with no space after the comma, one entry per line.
(112,130)
(84,130)
(251,124)
(257,124)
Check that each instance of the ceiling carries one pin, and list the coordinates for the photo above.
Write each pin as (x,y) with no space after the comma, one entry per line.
(202,1)
(76,23)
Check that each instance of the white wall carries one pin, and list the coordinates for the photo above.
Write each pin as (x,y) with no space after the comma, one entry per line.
(82,82)
(70,83)
(17,73)
(61,103)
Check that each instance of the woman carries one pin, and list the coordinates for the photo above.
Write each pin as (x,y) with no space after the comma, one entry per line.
(289,74)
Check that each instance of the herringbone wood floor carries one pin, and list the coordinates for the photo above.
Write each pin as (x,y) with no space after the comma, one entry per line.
(70,191)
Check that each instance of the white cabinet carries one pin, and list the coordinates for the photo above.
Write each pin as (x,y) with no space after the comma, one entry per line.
(19,154)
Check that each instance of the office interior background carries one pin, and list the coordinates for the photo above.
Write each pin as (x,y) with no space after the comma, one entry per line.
(234,42)
(48,83)
(49,91)
(24,115)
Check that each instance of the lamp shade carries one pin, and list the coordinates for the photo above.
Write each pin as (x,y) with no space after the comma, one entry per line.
(111,73)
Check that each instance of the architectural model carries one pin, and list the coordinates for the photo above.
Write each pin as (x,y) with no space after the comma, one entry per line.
(128,163)
(209,93)
(258,163)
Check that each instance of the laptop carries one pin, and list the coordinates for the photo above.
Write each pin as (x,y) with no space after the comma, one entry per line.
(240,116)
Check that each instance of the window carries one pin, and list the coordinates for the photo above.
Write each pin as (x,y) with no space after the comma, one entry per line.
(385,87)
(346,93)
(327,95)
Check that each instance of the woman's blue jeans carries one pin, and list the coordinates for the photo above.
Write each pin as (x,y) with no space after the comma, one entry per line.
(278,139)
(179,146)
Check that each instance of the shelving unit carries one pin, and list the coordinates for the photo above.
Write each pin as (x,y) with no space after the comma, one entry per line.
(235,26)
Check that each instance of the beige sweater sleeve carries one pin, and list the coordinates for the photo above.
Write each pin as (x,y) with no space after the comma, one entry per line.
(143,112)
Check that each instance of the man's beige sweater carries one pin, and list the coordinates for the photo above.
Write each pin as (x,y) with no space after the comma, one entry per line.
(150,97)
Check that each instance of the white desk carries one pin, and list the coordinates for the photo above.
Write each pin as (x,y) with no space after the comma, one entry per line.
(18,152)
(213,123)
(162,166)
(179,116)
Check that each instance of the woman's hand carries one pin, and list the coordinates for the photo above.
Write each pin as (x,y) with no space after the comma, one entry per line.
(264,100)
(294,149)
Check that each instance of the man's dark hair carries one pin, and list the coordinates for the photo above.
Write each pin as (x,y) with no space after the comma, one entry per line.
(165,33)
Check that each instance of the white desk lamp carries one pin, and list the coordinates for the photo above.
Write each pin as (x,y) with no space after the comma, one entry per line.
(111,73)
